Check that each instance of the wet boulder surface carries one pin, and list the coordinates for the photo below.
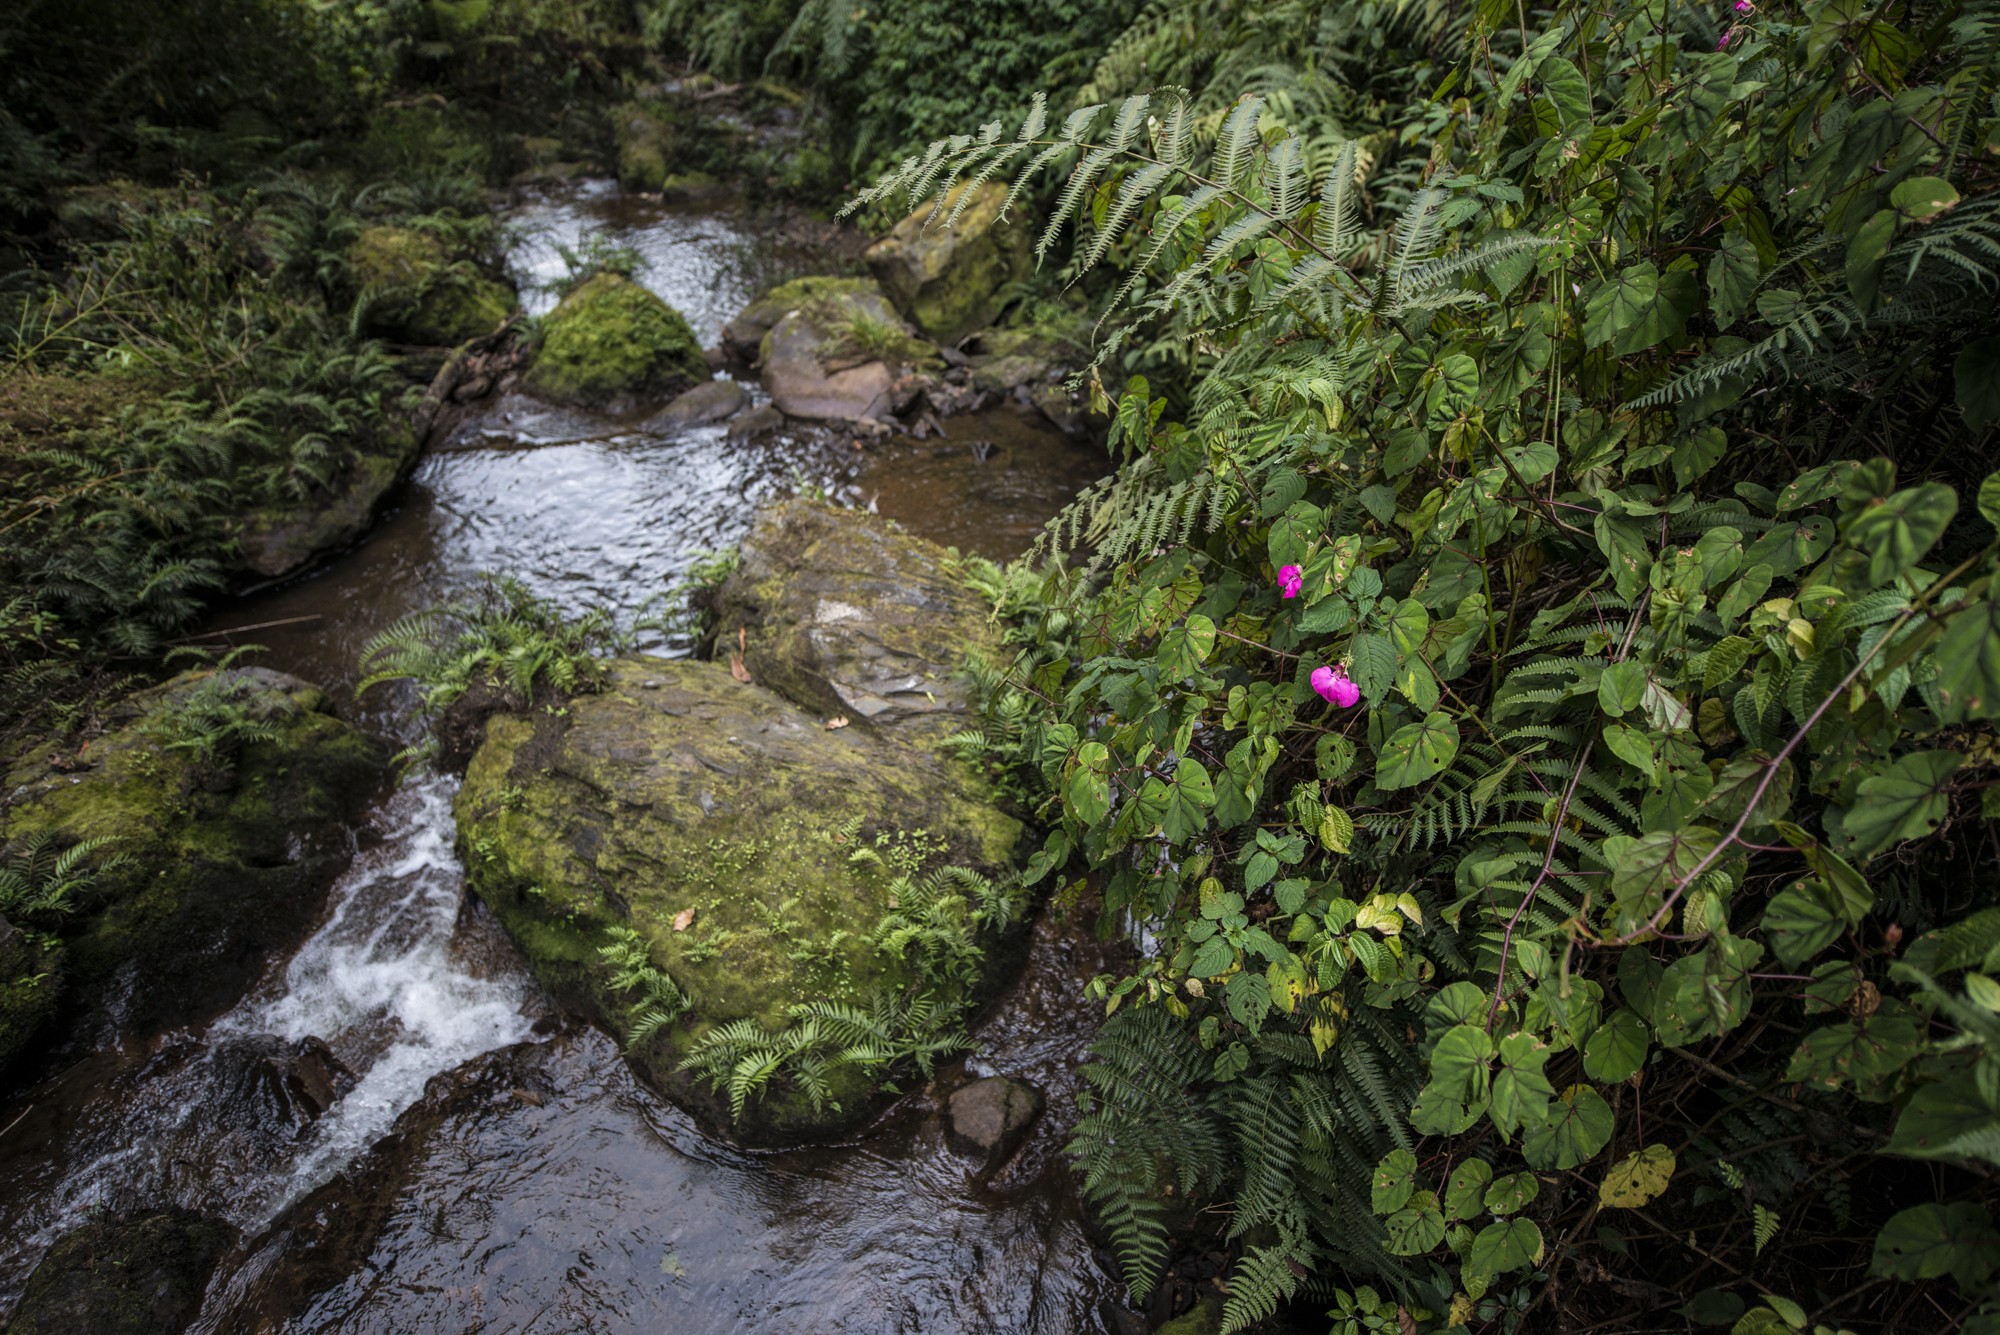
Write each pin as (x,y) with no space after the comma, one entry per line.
(274,540)
(715,810)
(134,1274)
(613,346)
(225,800)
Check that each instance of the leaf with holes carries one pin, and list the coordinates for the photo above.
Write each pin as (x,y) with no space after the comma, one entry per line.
(1417,751)
(1617,1049)
(1637,1179)
(1933,1239)
(1414,1229)
(1509,1194)
(1465,1194)
(1395,1180)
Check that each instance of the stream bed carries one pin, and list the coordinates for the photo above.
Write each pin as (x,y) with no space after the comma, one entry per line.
(485,1165)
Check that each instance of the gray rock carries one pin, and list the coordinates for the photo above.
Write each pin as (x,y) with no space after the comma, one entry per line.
(743,337)
(989,1118)
(712,401)
(948,280)
(801,385)
(279,539)
(754,422)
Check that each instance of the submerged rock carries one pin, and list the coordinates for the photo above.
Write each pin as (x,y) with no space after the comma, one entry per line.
(989,1118)
(949,281)
(754,422)
(275,540)
(719,820)
(612,345)
(142,1274)
(714,401)
(416,295)
(226,796)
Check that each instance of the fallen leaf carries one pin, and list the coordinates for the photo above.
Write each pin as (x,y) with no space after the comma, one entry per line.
(838,721)
(737,670)
(683,920)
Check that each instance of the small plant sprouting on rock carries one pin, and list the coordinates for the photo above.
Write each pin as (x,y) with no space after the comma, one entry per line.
(659,1001)
(41,879)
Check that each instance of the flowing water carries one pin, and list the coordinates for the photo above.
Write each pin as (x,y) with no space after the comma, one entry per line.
(536,1186)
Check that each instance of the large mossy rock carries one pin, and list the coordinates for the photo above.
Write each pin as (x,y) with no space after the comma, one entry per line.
(223,856)
(416,295)
(948,280)
(717,819)
(613,345)
(140,1274)
(276,540)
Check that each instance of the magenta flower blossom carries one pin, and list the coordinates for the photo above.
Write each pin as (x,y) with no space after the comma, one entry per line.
(1727,38)
(1334,686)
(1290,580)
(1744,6)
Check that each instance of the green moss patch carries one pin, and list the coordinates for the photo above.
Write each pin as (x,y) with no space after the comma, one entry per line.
(612,342)
(417,294)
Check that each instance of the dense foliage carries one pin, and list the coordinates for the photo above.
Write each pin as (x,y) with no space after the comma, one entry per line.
(1609,392)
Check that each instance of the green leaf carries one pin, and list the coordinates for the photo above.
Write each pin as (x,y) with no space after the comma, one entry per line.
(1459,1063)
(1509,1194)
(1632,746)
(1417,751)
(1579,1125)
(1644,869)
(1414,1230)
(1089,785)
(1214,957)
(1726,658)
(1905,801)
(1521,1093)
(1950,1119)
(1638,1178)
(1921,197)
(1620,687)
(1866,253)
(1933,1239)
(1638,308)
(1465,1194)
(1508,1245)
(1858,1054)
(1968,662)
(1732,278)
(1395,1179)
(1802,920)
(1896,533)
(1185,648)
(1618,1049)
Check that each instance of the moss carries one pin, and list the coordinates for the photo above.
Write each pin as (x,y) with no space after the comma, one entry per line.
(135,1275)
(647,143)
(212,879)
(31,973)
(418,295)
(680,789)
(951,282)
(275,540)
(611,340)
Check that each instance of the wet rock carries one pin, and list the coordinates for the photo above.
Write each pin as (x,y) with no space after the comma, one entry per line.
(713,401)
(614,346)
(300,1081)
(948,281)
(648,140)
(276,540)
(851,616)
(691,188)
(754,422)
(682,787)
(30,981)
(801,385)
(743,337)
(1063,406)
(226,846)
(415,294)
(141,1274)
(989,1118)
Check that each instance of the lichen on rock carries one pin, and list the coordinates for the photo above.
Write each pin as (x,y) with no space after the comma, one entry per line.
(950,280)
(224,851)
(612,345)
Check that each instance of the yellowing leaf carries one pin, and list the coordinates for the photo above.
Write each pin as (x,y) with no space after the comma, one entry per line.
(1637,1178)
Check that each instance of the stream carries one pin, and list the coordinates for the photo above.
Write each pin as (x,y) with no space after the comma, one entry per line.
(487,1165)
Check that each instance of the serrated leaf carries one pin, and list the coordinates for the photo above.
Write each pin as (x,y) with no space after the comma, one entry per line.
(1896,532)
(1336,830)
(1968,663)
(1905,801)
(1726,658)
(1802,920)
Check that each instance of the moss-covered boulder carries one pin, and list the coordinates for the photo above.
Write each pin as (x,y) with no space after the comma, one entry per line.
(227,798)
(275,540)
(648,146)
(613,345)
(415,293)
(948,281)
(139,1274)
(719,821)
(831,349)
(743,337)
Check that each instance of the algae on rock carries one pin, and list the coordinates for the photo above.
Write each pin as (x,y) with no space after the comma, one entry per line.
(612,344)
(224,851)
(720,823)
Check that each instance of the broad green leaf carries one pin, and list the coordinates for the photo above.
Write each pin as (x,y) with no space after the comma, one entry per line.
(1521,1093)
(1579,1125)
(1857,1054)
(1089,784)
(1968,662)
(1417,751)
(1732,278)
(1726,658)
(1933,1239)
(1395,1179)
(1905,801)
(1459,1063)
(1645,869)
(1639,307)
(1895,533)
(1922,197)
(1508,1245)
(1866,253)
(1185,648)
(1620,687)
(1618,1048)
(1508,1194)
(1414,1230)
(1465,1194)
(1631,745)
(1802,920)
(1950,1119)
(1336,830)
(1638,1178)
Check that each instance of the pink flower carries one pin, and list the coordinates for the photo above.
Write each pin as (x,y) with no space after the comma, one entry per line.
(1744,6)
(1727,38)
(1334,687)
(1290,580)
